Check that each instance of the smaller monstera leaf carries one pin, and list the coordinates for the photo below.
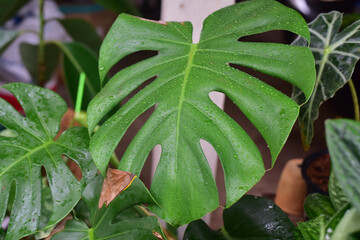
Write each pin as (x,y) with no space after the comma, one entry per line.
(186,73)
(343,140)
(251,217)
(107,223)
(335,57)
(32,147)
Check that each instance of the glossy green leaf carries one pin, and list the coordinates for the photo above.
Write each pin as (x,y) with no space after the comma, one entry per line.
(335,57)
(199,230)
(328,230)
(102,221)
(343,141)
(257,218)
(83,32)
(123,6)
(33,147)
(6,38)
(336,192)
(46,211)
(9,7)
(250,218)
(317,204)
(348,225)
(311,229)
(77,59)
(29,56)
(186,73)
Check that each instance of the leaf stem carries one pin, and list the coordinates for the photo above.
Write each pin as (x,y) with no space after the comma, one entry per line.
(91,234)
(80,93)
(141,210)
(355,100)
(114,160)
(41,50)
(225,233)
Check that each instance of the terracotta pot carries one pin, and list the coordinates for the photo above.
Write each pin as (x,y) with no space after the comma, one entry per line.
(291,191)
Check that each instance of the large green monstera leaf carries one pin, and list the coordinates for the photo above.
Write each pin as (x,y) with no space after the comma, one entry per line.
(186,73)
(335,57)
(107,222)
(32,147)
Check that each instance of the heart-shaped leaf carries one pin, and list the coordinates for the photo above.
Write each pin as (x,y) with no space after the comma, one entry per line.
(33,147)
(343,140)
(251,217)
(102,221)
(186,73)
(335,57)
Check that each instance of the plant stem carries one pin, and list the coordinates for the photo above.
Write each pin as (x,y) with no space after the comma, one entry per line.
(141,210)
(355,100)
(114,160)
(41,50)
(225,233)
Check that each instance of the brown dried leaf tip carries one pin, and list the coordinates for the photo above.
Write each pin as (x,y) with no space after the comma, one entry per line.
(115,182)
(157,235)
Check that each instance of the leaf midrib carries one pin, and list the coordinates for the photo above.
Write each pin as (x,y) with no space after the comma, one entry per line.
(182,94)
(321,68)
(28,154)
(330,49)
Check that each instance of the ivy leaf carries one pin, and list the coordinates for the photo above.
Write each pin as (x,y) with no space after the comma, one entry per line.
(83,32)
(102,221)
(183,184)
(251,217)
(33,147)
(335,57)
(343,140)
(6,38)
